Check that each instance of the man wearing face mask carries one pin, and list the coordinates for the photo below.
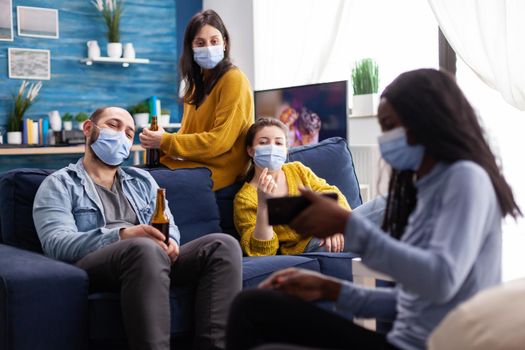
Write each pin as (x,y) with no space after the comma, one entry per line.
(95,214)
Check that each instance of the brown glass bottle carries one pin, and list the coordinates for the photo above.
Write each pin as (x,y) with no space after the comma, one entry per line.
(159,219)
(153,154)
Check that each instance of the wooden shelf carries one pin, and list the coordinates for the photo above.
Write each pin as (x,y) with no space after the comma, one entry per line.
(125,62)
(39,150)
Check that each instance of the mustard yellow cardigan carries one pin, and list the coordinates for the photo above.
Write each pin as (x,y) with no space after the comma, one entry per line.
(213,135)
(284,240)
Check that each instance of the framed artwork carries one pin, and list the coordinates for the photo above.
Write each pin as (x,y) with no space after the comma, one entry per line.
(29,64)
(6,20)
(37,22)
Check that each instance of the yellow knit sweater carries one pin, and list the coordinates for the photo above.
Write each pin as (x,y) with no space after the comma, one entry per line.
(284,240)
(213,135)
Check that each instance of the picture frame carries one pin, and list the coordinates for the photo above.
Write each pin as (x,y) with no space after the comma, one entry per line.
(6,20)
(29,64)
(37,22)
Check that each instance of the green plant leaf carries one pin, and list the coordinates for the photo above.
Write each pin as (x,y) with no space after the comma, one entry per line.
(365,77)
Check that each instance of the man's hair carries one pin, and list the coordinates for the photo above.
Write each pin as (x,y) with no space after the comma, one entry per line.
(95,117)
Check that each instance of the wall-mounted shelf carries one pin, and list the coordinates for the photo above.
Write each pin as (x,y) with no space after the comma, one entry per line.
(125,62)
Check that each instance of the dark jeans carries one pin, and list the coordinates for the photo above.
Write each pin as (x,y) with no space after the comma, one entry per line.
(142,272)
(269,319)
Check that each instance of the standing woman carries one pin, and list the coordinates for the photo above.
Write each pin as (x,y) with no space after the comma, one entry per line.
(218,106)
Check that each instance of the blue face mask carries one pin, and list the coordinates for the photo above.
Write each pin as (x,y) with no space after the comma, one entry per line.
(208,57)
(398,153)
(270,156)
(112,147)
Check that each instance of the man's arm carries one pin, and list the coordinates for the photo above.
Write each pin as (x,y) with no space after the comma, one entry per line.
(56,226)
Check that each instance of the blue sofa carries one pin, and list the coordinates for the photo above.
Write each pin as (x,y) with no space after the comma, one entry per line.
(45,304)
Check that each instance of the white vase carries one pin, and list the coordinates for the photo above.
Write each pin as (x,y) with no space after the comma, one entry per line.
(364,105)
(93,49)
(115,50)
(14,137)
(129,51)
(80,125)
(55,121)
(141,119)
(68,125)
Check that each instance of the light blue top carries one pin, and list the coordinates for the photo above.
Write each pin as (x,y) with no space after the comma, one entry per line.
(69,216)
(451,249)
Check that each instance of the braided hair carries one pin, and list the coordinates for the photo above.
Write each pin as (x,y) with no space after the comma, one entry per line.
(432,106)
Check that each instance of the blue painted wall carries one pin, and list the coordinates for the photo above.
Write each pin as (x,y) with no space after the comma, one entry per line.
(156,29)
(151,25)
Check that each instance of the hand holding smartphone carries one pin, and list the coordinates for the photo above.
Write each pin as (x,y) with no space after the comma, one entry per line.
(282,210)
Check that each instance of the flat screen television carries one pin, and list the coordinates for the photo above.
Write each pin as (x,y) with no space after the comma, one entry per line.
(312,112)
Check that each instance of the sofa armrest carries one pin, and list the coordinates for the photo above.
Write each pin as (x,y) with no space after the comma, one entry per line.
(43,302)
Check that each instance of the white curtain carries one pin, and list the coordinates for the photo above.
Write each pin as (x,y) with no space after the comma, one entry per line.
(489,36)
(298,42)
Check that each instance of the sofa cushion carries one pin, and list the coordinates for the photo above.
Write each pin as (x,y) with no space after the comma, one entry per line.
(334,264)
(225,199)
(331,159)
(17,193)
(191,200)
(256,268)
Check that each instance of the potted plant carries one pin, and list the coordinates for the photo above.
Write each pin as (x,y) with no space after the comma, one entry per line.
(21,103)
(365,82)
(80,118)
(164,119)
(111,11)
(67,121)
(140,113)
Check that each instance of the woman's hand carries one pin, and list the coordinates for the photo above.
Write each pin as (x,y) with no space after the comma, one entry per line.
(334,244)
(304,284)
(323,218)
(151,139)
(266,187)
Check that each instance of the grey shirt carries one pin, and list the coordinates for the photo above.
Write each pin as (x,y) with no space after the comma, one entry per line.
(451,249)
(117,209)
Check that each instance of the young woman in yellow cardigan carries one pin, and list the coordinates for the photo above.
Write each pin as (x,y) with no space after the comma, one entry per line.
(269,176)
(218,106)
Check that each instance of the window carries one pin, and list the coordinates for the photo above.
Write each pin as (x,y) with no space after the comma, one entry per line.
(504,126)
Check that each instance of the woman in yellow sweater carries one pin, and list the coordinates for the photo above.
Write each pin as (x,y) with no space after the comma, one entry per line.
(266,143)
(218,106)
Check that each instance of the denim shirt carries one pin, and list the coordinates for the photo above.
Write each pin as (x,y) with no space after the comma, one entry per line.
(69,216)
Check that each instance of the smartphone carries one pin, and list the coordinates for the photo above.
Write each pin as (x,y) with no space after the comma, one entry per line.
(282,210)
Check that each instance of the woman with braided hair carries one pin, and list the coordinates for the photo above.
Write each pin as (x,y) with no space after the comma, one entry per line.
(440,239)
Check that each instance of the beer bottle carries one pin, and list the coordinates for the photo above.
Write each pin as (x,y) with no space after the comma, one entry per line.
(159,219)
(153,154)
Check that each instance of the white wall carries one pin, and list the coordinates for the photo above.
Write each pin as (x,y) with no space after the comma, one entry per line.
(238,18)
(363,131)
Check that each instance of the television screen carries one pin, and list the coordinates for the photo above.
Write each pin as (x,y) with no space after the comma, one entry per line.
(311,112)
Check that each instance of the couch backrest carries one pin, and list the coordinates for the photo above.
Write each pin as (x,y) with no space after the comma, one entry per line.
(189,193)
(17,193)
(329,159)
(196,209)
(191,200)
